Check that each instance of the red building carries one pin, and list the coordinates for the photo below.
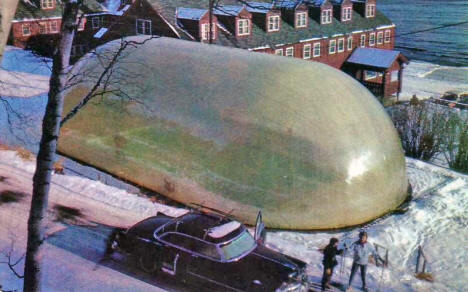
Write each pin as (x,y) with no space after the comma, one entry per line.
(327,31)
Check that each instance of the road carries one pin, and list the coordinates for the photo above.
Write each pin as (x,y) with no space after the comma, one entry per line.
(78,228)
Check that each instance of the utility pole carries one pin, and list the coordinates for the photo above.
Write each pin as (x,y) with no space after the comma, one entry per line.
(210,7)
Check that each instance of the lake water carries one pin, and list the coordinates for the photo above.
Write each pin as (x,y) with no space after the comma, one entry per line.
(446,46)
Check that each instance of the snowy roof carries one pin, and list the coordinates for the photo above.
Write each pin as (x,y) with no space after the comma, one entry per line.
(100,33)
(190,13)
(315,2)
(223,230)
(228,10)
(288,4)
(258,7)
(379,58)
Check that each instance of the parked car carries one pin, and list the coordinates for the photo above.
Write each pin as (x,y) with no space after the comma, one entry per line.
(210,249)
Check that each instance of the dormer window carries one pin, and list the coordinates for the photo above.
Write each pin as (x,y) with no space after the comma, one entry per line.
(326,16)
(243,27)
(273,23)
(301,19)
(47,4)
(205,31)
(370,10)
(346,14)
(143,26)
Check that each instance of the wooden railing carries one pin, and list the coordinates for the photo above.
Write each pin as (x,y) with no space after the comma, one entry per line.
(375,88)
(422,273)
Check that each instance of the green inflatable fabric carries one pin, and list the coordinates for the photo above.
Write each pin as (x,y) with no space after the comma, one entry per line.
(239,131)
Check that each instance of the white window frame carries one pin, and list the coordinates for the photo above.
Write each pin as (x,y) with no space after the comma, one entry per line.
(47,4)
(387,37)
(52,30)
(380,38)
(362,42)
(307,51)
(205,31)
(372,39)
(243,29)
(326,16)
(42,27)
(350,43)
(96,22)
(289,52)
(394,76)
(370,10)
(340,41)
(368,74)
(332,47)
(301,19)
(273,23)
(146,25)
(316,50)
(346,14)
(279,52)
(26,29)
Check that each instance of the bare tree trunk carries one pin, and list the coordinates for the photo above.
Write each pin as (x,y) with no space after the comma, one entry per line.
(47,148)
(7,11)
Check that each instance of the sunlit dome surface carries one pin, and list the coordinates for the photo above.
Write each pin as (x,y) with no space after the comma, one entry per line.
(240,132)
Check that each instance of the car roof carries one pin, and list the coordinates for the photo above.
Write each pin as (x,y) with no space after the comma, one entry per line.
(206,227)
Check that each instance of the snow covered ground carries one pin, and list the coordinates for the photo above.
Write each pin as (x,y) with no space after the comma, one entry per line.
(436,220)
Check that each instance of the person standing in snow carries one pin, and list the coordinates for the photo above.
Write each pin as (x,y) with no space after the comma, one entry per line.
(362,250)
(329,261)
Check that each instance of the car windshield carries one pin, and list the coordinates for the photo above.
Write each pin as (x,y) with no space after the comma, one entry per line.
(238,246)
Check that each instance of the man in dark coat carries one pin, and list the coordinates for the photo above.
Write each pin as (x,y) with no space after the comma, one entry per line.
(329,261)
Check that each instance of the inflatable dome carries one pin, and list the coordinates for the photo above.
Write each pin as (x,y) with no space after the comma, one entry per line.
(239,132)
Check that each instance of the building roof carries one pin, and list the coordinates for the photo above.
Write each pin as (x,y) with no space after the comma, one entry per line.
(190,13)
(315,2)
(28,10)
(228,10)
(258,7)
(287,4)
(379,58)
(259,37)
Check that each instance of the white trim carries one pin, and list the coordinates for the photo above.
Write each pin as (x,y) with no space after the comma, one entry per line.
(296,21)
(312,39)
(330,46)
(273,23)
(349,42)
(346,13)
(362,38)
(371,44)
(245,29)
(386,26)
(319,50)
(35,19)
(286,52)
(144,26)
(389,36)
(380,40)
(370,10)
(304,51)
(338,45)
(277,52)
(28,25)
(326,16)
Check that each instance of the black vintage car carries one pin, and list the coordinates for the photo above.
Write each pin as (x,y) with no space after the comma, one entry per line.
(210,249)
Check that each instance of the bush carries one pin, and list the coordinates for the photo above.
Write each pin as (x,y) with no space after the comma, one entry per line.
(456,142)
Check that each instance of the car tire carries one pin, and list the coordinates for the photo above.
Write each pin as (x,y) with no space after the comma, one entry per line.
(148,263)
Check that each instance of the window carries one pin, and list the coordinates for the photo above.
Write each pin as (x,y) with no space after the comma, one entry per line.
(46,4)
(26,29)
(346,14)
(243,27)
(326,16)
(192,244)
(332,47)
(279,52)
(316,50)
(143,26)
(42,28)
(370,10)
(301,19)
(290,52)
(53,26)
(81,25)
(372,74)
(350,43)
(96,21)
(340,45)
(363,40)
(307,51)
(372,39)
(273,23)
(387,36)
(394,76)
(205,31)
(380,37)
